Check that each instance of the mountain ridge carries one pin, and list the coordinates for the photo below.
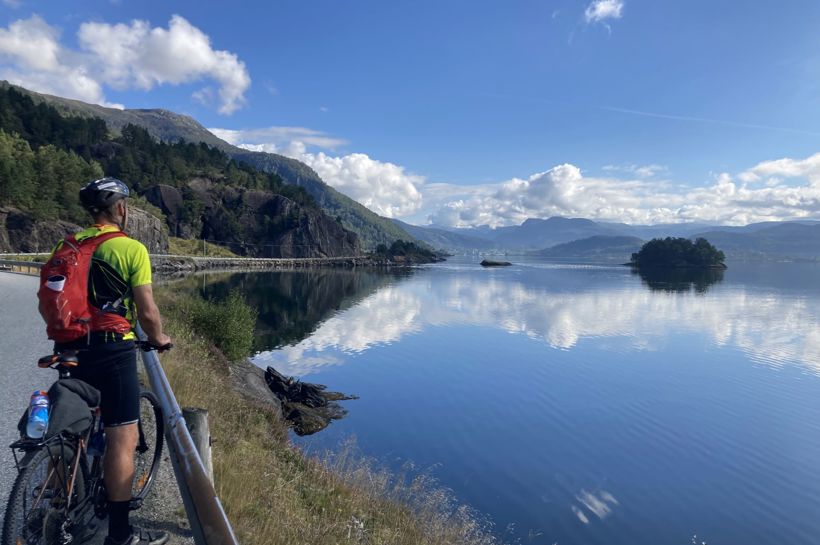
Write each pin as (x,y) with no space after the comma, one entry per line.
(169,126)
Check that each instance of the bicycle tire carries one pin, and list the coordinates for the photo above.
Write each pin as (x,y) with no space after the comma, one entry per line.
(21,525)
(148,455)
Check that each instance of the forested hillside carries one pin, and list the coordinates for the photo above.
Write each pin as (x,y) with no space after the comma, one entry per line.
(45,158)
(167,126)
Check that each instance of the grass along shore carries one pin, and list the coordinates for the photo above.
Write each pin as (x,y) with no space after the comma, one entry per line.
(272,492)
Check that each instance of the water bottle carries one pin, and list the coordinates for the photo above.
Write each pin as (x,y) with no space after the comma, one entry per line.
(37,415)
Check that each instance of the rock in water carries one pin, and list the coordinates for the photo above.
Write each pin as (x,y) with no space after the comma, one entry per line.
(307,407)
(491,263)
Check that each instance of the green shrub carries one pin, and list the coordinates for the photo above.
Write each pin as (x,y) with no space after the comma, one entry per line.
(229,324)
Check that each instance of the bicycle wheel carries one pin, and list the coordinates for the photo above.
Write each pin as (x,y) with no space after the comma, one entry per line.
(37,511)
(149,445)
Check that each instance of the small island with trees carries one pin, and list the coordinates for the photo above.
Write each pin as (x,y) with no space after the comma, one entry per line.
(678,253)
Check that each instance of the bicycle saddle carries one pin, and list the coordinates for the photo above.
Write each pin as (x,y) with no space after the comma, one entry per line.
(68,359)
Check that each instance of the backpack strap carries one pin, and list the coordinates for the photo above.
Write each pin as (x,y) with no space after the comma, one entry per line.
(95,241)
(71,240)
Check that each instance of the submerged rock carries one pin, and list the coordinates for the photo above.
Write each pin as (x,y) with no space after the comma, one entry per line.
(491,263)
(307,407)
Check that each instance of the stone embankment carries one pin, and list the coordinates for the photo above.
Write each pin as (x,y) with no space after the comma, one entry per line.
(170,264)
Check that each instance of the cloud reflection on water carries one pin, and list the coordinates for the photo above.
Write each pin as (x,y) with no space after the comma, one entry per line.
(770,328)
(599,503)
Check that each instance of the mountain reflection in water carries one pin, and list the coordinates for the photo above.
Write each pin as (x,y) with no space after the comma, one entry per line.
(769,328)
(291,304)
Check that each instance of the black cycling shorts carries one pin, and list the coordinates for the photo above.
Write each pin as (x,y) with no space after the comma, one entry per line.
(112,369)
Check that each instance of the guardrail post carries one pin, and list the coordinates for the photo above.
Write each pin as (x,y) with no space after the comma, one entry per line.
(196,420)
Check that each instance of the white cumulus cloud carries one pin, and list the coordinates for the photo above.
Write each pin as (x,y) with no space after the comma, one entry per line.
(808,168)
(772,190)
(383,187)
(276,139)
(31,56)
(642,171)
(121,56)
(601,10)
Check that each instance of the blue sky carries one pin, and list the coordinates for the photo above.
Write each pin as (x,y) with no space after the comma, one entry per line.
(464,113)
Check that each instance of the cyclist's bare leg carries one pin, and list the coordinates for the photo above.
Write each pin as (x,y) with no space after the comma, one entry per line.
(118,464)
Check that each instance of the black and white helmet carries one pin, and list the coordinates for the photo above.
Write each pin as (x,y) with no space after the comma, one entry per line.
(101,194)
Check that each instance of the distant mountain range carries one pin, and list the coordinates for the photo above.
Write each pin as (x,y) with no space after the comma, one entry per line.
(597,248)
(586,239)
(168,126)
(787,240)
(444,239)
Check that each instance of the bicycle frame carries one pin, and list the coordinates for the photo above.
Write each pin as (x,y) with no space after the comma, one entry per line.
(63,472)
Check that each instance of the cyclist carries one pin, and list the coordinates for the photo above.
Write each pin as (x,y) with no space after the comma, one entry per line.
(120,282)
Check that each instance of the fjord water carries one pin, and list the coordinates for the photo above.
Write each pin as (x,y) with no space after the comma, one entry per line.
(574,404)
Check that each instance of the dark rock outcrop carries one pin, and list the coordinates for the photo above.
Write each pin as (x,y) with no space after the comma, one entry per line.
(314,234)
(491,263)
(170,200)
(307,407)
(22,232)
(251,222)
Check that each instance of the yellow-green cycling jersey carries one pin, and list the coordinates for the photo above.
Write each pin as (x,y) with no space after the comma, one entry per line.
(117,266)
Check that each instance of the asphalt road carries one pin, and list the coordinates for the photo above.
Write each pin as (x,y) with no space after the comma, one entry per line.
(22,341)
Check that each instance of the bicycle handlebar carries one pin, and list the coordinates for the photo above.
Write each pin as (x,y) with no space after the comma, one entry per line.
(147,346)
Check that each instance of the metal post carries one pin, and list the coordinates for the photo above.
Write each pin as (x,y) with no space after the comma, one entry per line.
(196,420)
(209,523)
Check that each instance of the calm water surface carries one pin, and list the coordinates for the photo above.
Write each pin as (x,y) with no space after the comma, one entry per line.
(574,404)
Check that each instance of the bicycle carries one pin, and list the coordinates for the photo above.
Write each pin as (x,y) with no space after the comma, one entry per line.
(59,487)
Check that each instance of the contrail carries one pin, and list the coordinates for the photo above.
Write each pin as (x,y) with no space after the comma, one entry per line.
(629,111)
(706,120)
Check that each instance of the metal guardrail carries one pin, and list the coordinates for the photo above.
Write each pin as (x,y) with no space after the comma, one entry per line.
(17,266)
(209,523)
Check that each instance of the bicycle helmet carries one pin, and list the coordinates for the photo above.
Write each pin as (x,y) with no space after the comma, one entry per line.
(101,194)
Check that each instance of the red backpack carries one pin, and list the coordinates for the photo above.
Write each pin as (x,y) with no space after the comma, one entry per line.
(63,292)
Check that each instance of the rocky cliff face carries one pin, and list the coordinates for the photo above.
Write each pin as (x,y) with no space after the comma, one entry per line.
(21,232)
(170,201)
(251,222)
(314,234)
(148,230)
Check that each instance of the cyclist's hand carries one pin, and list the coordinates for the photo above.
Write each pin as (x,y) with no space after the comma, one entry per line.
(163,343)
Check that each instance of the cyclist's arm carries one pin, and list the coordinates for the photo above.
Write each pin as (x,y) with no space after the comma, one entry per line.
(148,315)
